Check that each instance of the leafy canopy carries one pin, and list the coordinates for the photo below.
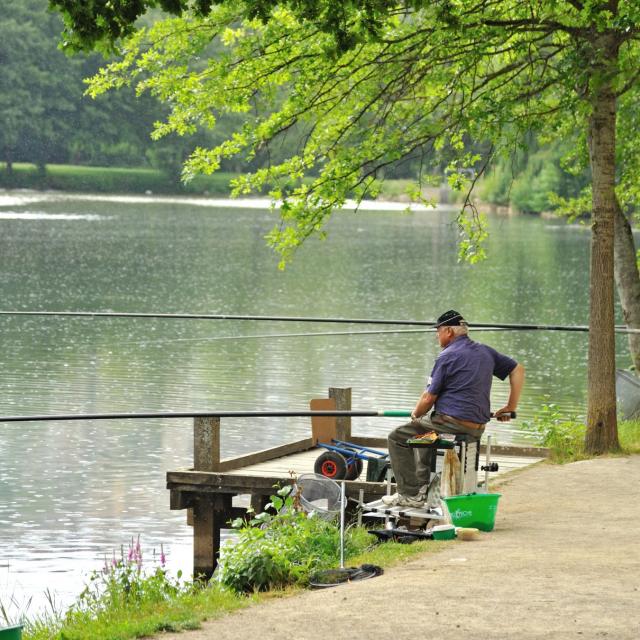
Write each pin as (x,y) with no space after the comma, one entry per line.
(394,82)
(99,23)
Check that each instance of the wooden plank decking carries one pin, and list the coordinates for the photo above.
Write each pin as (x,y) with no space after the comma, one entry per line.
(303,462)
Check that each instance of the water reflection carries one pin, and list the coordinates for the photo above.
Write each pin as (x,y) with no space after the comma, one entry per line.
(71,492)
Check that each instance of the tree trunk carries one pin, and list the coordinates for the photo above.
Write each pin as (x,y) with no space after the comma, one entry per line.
(628,280)
(602,430)
(9,161)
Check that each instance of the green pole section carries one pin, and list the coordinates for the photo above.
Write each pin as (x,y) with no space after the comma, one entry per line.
(396,413)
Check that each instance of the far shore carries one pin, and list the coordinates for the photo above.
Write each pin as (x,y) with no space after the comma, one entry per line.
(21,197)
(27,183)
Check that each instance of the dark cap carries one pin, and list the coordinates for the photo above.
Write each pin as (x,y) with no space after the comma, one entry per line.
(450,318)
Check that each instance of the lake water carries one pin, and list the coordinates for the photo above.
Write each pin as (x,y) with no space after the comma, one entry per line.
(72,492)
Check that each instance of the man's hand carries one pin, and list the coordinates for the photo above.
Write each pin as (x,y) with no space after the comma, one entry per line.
(424,405)
(504,414)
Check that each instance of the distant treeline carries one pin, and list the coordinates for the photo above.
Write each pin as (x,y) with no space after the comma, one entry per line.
(145,180)
(46,121)
(531,180)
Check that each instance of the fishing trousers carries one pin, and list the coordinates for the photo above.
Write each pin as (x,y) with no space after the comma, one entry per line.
(412,465)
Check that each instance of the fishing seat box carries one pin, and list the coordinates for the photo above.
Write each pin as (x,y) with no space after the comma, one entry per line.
(468,450)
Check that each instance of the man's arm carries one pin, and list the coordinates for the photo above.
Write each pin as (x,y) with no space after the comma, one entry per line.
(516,382)
(424,405)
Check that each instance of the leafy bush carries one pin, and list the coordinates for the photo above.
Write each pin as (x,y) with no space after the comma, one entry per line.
(530,191)
(564,436)
(495,187)
(273,551)
(529,180)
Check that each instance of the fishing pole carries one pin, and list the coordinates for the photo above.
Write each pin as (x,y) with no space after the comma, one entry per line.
(255,336)
(260,336)
(371,413)
(392,413)
(270,318)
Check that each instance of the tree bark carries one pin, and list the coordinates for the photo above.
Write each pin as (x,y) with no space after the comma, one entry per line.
(602,431)
(627,280)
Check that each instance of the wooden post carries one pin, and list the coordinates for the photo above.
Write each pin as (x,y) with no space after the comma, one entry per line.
(206,444)
(342,396)
(210,513)
(206,523)
(258,502)
(204,538)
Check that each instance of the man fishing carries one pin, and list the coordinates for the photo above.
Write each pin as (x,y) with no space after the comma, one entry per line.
(458,391)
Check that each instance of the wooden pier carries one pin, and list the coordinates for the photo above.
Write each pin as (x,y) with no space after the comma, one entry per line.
(208,490)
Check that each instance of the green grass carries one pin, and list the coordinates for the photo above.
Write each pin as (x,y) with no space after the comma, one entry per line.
(152,604)
(389,554)
(109,180)
(629,435)
(186,611)
(564,437)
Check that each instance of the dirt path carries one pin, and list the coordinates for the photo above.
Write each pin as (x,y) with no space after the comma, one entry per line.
(563,562)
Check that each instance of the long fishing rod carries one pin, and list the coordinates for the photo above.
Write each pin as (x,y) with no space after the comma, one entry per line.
(394,413)
(261,336)
(384,321)
(371,413)
(251,336)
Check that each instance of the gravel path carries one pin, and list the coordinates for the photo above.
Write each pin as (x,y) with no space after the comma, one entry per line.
(562,562)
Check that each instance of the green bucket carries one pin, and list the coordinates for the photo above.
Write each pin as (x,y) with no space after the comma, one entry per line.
(444,532)
(473,510)
(11,633)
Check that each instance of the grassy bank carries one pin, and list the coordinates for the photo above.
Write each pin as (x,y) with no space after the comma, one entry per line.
(160,604)
(108,180)
(275,553)
(629,434)
(75,178)
(564,435)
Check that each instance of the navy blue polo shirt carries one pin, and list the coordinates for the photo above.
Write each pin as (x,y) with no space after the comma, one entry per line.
(462,376)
